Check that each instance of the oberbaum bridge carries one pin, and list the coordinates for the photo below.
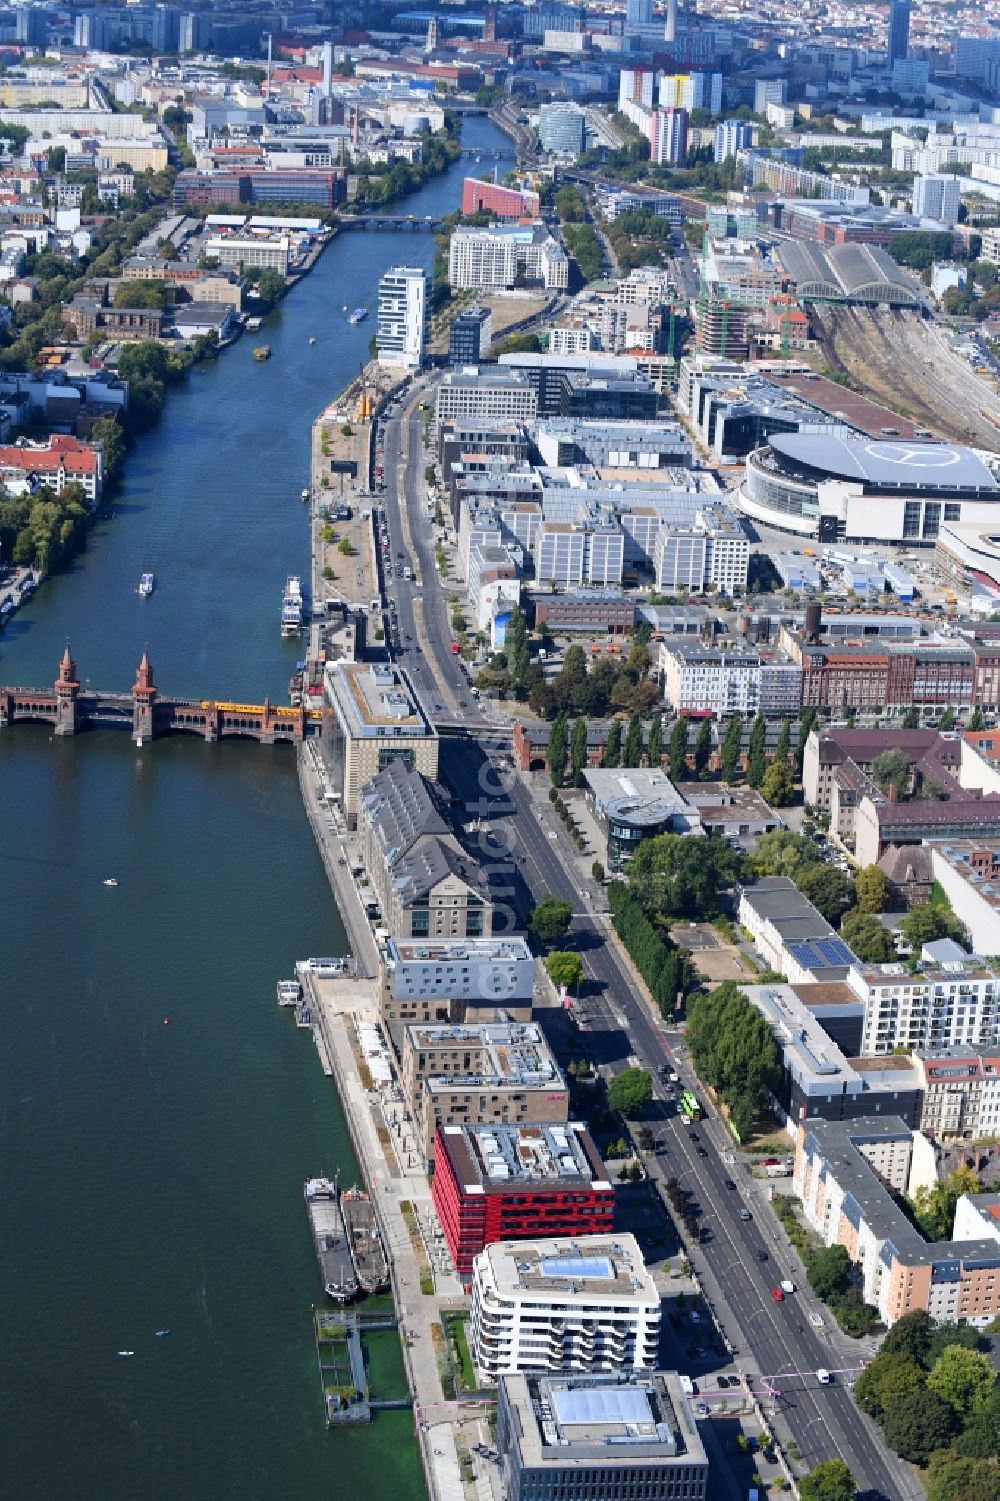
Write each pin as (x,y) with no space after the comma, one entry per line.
(148,714)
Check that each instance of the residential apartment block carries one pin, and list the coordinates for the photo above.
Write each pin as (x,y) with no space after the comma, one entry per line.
(475,980)
(492,1073)
(504,254)
(585,1304)
(843,1174)
(950,1001)
(517,1183)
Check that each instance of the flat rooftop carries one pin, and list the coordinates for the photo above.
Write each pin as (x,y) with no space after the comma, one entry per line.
(840,1145)
(610,1420)
(496,1157)
(375,700)
(511,1055)
(459,950)
(608,1267)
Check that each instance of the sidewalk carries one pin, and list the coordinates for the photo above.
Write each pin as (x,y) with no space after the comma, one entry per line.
(385,1142)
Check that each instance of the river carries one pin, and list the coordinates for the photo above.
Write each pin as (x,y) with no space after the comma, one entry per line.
(158,1112)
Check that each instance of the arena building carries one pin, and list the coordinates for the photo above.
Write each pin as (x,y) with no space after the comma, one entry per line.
(837,488)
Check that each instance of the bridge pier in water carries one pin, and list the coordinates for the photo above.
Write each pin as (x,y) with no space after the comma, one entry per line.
(148,714)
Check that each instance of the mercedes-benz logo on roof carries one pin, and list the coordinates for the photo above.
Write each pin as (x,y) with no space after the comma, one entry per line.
(920,456)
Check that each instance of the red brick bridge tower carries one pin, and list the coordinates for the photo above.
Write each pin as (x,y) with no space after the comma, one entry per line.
(143,701)
(67,689)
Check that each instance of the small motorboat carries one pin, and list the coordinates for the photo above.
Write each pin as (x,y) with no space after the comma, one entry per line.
(125,1354)
(313,339)
(162,1333)
(111,881)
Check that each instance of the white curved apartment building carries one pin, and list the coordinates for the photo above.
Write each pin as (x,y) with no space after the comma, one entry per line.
(584,1305)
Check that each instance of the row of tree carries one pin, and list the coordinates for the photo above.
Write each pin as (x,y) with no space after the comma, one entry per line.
(832,1278)
(734,1051)
(937,1398)
(667,970)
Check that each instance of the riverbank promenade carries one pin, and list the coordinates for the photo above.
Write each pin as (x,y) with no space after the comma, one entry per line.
(388,1152)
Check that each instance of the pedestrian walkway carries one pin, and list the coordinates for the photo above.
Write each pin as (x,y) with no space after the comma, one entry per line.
(395,1177)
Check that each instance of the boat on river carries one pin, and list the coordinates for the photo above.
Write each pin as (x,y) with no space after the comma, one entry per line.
(147,584)
(358,315)
(262,352)
(292,606)
(333,1254)
(367,1250)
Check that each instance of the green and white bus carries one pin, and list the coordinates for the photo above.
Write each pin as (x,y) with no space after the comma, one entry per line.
(689,1107)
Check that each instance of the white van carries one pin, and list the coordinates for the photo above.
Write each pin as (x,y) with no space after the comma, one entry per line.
(823,1376)
(687,1385)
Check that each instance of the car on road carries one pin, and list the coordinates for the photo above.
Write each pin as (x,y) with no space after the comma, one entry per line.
(786,1286)
(693,1135)
(761,1254)
(823,1376)
(745,1214)
(729,1183)
(723,1382)
(777,1295)
(701,1151)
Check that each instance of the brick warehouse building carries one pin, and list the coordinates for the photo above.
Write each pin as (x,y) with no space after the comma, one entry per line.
(517,1182)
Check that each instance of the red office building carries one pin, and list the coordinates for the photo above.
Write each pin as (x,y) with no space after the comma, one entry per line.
(517,1182)
(503,203)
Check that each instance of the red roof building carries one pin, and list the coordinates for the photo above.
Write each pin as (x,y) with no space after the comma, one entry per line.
(59,461)
(520,1182)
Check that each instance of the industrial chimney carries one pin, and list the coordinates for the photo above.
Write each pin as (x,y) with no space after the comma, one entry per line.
(814,621)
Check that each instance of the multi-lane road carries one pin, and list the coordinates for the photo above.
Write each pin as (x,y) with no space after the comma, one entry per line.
(774,1340)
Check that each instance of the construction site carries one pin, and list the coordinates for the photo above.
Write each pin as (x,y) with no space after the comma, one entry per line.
(900,359)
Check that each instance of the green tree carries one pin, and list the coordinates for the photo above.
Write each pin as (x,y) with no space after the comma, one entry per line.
(871,889)
(782,853)
(950,1333)
(918,1424)
(613,744)
(910,1335)
(886,1381)
(270,285)
(578,751)
(632,753)
(731,745)
(954,1476)
(947,721)
(807,724)
(964,1378)
(733,1050)
(679,749)
(556,750)
(976,719)
(784,741)
(756,762)
(829,890)
(676,877)
(935,1204)
(564,968)
(777,786)
(830,1480)
(654,745)
(703,748)
(629,1091)
(893,768)
(109,435)
(928,923)
(829,1272)
(911,719)
(141,294)
(866,937)
(516,649)
(981,1439)
(550,920)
